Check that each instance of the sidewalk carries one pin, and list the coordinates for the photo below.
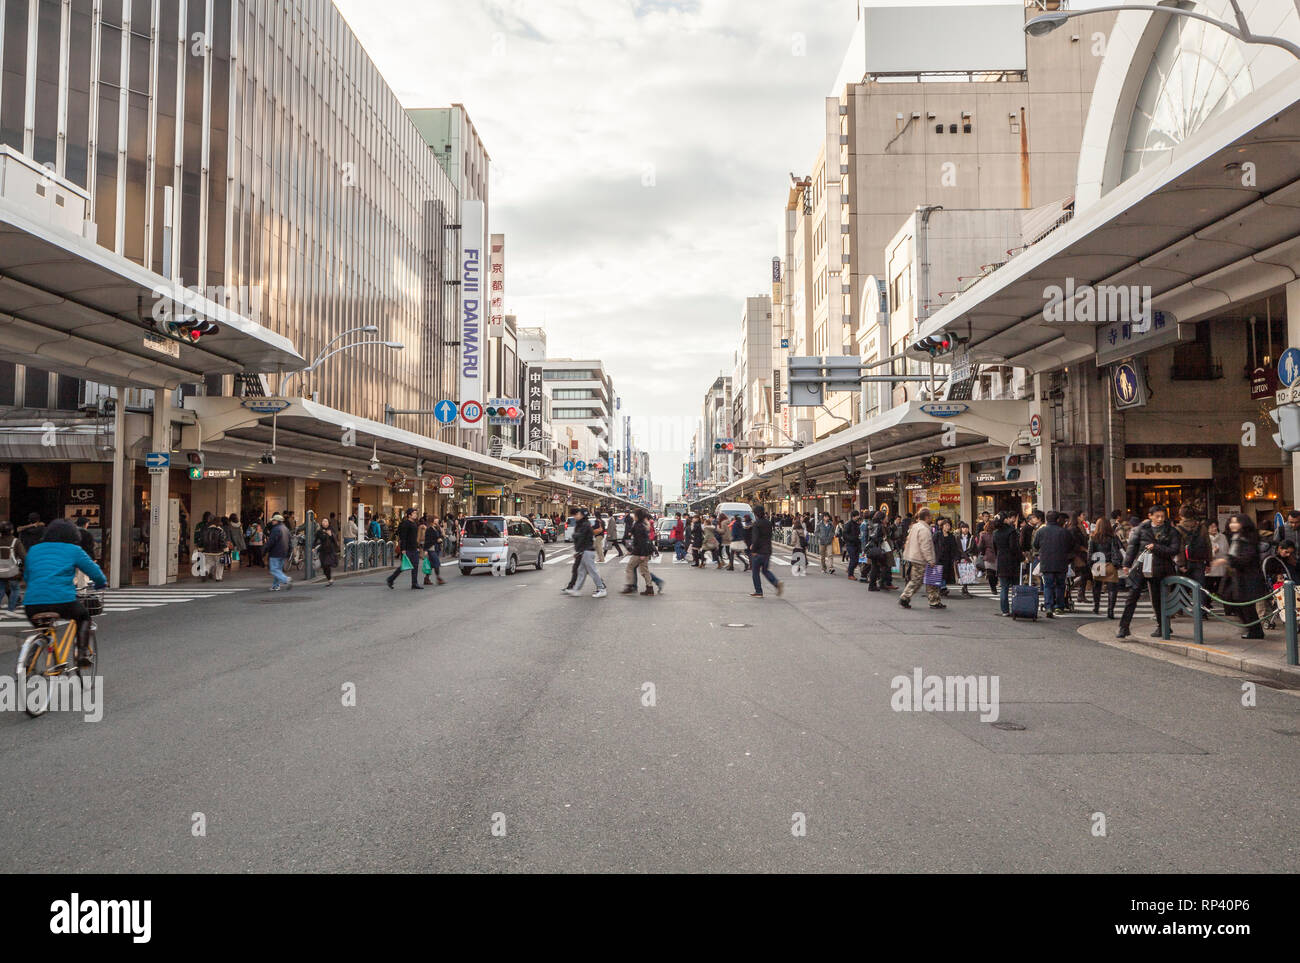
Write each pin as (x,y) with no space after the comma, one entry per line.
(1223,645)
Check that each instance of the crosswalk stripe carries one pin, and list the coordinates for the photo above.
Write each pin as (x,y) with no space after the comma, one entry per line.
(134,598)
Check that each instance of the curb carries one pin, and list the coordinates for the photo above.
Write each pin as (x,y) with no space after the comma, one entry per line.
(1189,650)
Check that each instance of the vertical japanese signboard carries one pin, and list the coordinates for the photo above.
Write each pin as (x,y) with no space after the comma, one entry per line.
(472,303)
(533,406)
(497,287)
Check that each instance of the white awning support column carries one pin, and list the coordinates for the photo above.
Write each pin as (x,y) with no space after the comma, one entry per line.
(118,559)
(159,510)
(1293,338)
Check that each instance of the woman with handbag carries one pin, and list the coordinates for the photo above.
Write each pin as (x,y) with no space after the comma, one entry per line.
(1245,583)
(946,552)
(986,554)
(1081,560)
(1106,555)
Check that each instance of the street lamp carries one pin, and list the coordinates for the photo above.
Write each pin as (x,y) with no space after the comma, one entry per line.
(326,354)
(1045,24)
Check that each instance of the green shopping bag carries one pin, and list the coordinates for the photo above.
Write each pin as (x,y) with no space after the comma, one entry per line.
(406,563)
(426,566)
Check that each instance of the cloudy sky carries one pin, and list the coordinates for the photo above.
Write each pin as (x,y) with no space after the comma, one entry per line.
(641,153)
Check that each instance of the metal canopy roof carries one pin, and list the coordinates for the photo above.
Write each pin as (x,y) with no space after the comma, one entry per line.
(75,307)
(309,427)
(908,431)
(1186,225)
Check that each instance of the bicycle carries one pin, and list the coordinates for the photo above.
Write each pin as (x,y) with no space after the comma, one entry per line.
(49,654)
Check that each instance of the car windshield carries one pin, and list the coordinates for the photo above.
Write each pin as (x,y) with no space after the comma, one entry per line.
(484,527)
(665,524)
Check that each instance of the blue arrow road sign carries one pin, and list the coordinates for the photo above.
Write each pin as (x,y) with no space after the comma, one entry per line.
(445,412)
(568,466)
(582,466)
(158,459)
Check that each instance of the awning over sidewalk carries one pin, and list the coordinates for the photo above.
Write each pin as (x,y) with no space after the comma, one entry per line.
(80,442)
(1187,225)
(305,427)
(910,431)
(69,305)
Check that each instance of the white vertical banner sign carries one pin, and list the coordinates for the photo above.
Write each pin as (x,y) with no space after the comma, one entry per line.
(497,288)
(472,303)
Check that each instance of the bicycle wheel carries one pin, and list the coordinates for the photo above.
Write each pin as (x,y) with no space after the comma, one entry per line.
(36,683)
(87,674)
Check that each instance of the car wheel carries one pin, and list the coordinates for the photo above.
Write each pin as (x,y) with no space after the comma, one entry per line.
(512,565)
(465,571)
(541,560)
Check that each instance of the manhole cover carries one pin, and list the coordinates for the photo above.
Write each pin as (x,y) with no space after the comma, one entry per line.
(1009,726)
(1271,683)
(736,625)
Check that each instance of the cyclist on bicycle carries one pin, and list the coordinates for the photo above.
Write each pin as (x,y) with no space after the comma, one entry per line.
(51,568)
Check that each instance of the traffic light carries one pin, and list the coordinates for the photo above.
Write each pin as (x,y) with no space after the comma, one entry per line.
(717,446)
(938,344)
(190,329)
(1010,467)
(512,412)
(1287,418)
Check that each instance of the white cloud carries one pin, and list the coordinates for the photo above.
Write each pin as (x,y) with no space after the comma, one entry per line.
(580,105)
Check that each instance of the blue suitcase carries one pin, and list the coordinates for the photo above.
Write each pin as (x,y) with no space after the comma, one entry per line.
(1024,602)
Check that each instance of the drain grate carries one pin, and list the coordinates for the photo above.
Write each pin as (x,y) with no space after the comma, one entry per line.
(1009,726)
(1271,683)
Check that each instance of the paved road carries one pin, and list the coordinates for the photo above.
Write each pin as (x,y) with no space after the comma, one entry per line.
(492,695)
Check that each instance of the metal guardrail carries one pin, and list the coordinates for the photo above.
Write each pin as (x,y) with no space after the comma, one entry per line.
(1184,595)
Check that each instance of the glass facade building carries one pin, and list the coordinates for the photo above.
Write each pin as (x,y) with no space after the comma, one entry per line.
(303,193)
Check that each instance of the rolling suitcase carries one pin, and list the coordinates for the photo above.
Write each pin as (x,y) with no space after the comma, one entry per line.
(1024,601)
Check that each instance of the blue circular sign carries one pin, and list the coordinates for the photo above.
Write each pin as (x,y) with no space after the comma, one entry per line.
(1288,367)
(582,466)
(445,412)
(1125,380)
(568,466)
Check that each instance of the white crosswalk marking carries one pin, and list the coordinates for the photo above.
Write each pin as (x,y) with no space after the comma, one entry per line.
(148,597)
(1082,610)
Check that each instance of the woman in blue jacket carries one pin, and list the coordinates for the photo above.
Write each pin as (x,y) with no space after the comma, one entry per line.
(50,571)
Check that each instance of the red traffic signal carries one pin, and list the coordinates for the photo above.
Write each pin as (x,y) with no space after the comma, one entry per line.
(512,412)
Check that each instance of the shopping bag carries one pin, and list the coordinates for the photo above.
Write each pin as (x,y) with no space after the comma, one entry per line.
(933,575)
(967,573)
(886,547)
(1148,563)
(426,567)
(406,563)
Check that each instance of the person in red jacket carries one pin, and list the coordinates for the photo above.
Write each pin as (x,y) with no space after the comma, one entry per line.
(678,536)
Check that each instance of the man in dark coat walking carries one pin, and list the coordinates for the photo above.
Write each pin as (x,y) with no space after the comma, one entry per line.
(408,543)
(1159,541)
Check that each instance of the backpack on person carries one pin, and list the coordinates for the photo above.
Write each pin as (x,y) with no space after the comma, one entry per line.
(214,540)
(10,567)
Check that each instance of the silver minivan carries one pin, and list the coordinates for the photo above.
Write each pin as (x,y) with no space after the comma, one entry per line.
(508,540)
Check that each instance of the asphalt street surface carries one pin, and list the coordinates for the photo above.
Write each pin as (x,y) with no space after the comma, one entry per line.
(502,703)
